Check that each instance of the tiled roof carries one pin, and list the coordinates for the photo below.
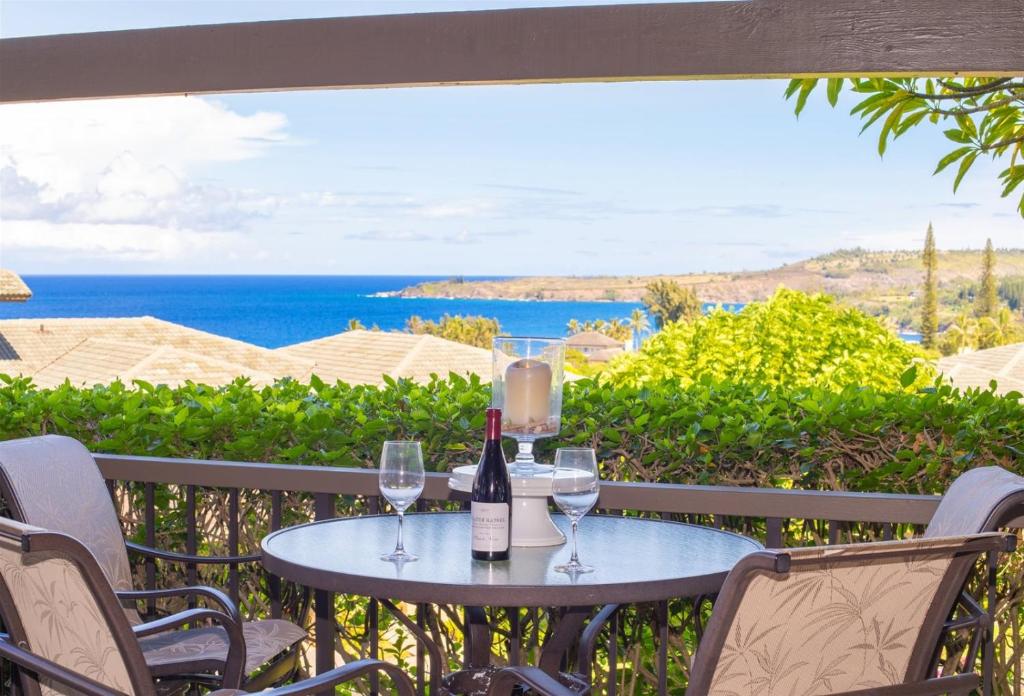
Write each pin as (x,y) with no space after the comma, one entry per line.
(12,287)
(1004,364)
(90,351)
(605,354)
(362,357)
(592,339)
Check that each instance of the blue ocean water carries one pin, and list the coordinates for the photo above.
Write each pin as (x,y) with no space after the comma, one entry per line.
(274,311)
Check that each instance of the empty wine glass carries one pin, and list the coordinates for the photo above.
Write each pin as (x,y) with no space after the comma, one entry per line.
(574,486)
(401,482)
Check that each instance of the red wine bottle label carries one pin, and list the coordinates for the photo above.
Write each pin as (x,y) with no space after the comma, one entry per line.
(490,526)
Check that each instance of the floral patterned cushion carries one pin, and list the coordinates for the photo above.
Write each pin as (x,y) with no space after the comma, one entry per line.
(62,621)
(828,627)
(207,648)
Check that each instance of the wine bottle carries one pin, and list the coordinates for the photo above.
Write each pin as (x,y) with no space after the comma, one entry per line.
(491,501)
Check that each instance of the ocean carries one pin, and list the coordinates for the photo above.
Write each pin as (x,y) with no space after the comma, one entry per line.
(275,311)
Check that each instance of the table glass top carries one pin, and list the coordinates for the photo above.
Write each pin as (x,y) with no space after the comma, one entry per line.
(623,551)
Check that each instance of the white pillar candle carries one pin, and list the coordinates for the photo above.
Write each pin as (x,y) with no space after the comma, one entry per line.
(527,393)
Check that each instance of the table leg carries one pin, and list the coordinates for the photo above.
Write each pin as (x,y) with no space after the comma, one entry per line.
(372,612)
(556,648)
(477,638)
(323,606)
(661,609)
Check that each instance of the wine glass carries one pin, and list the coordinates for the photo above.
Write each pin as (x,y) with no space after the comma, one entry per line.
(401,482)
(574,486)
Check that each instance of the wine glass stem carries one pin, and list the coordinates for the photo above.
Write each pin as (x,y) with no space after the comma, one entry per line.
(575,557)
(400,546)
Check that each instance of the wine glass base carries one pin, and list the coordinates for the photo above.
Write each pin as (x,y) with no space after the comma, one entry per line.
(403,556)
(574,568)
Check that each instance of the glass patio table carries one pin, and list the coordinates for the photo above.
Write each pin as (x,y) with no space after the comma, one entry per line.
(635,560)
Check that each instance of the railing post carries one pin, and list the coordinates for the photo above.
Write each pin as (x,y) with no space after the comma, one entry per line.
(274,582)
(150,517)
(233,524)
(323,601)
(191,542)
(773,532)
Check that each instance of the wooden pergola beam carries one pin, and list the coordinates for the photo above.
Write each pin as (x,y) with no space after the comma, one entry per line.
(674,41)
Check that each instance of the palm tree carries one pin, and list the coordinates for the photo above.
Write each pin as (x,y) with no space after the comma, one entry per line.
(640,324)
(355,325)
(573,326)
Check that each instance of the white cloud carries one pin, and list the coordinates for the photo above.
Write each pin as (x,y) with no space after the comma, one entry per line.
(122,178)
(128,242)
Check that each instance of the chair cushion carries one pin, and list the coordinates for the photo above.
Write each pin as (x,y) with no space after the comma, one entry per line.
(175,652)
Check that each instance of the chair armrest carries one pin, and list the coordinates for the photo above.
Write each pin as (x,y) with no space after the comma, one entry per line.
(213,593)
(505,681)
(187,557)
(960,685)
(166,623)
(339,675)
(41,667)
(585,655)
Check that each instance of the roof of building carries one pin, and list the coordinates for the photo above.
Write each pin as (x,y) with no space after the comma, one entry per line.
(363,357)
(12,287)
(592,339)
(91,351)
(1004,364)
(604,354)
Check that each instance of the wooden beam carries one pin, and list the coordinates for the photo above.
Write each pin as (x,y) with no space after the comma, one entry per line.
(672,41)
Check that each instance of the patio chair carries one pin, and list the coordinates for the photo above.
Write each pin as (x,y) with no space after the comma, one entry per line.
(69,635)
(983,499)
(53,482)
(850,620)
(980,500)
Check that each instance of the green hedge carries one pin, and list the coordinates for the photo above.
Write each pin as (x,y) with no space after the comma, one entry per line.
(853,439)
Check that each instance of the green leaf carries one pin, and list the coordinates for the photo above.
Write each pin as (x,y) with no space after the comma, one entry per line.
(806,87)
(956,135)
(835,85)
(181,415)
(952,157)
(909,376)
(964,166)
(710,422)
(883,136)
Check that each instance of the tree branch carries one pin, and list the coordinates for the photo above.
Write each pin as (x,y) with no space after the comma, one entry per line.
(988,89)
(975,109)
(953,87)
(1002,143)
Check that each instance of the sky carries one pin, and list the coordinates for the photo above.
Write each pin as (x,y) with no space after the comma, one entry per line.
(581,179)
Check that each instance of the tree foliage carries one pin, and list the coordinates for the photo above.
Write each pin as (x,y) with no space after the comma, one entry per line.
(967,332)
(1011,291)
(930,303)
(988,298)
(792,339)
(639,323)
(981,116)
(471,330)
(619,329)
(667,301)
